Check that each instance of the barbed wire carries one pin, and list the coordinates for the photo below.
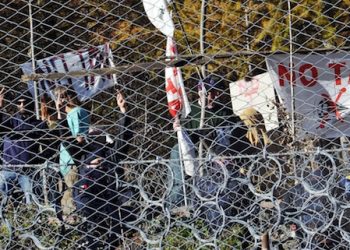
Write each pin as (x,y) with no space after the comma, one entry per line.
(260,162)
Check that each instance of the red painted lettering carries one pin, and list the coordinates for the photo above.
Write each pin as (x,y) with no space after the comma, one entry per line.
(174,106)
(284,73)
(170,87)
(337,70)
(314,74)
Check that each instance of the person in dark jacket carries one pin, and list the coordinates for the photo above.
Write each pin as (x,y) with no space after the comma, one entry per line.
(21,144)
(95,194)
(101,162)
(223,132)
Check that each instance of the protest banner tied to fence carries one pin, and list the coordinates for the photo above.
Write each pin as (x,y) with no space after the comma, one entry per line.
(321,90)
(174,86)
(84,59)
(157,12)
(168,178)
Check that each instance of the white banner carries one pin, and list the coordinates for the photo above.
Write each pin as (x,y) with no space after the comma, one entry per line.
(159,16)
(257,93)
(84,59)
(321,90)
(174,85)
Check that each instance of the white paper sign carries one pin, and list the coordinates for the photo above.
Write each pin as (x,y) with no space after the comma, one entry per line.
(257,93)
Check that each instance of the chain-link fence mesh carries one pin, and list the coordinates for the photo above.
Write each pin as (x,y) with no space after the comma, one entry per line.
(254,153)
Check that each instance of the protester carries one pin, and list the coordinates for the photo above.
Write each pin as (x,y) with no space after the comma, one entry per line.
(255,123)
(223,132)
(58,129)
(78,119)
(95,192)
(21,144)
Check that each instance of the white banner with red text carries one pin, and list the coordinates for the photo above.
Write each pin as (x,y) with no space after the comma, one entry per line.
(174,85)
(321,91)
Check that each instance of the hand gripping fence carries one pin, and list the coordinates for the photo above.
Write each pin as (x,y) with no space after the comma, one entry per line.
(174,124)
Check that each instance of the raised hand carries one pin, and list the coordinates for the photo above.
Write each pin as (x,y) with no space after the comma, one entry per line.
(2,94)
(58,103)
(121,102)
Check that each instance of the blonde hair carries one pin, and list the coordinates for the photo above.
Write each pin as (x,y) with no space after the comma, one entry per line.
(256,134)
(69,93)
(59,90)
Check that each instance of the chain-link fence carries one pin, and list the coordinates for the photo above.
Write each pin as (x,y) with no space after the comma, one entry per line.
(174,124)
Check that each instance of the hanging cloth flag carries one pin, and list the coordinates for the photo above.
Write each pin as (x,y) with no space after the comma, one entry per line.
(85,59)
(188,153)
(174,85)
(159,16)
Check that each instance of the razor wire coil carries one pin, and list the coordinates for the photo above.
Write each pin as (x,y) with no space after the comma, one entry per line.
(288,179)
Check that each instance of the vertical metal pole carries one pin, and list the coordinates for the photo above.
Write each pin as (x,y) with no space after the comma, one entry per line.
(182,171)
(291,68)
(45,191)
(201,123)
(33,59)
(246,19)
(292,94)
(202,34)
(203,69)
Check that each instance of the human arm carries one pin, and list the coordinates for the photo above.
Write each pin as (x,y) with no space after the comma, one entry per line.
(5,123)
(59,102)
(2,94)
(121,102)
(120,147)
